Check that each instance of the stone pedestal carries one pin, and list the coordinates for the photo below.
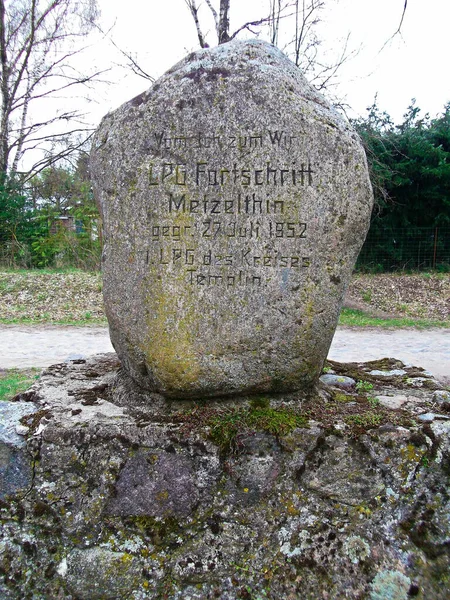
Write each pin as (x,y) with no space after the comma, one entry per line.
(332,495)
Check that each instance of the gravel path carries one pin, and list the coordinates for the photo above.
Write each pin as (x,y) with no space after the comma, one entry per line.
(42,346)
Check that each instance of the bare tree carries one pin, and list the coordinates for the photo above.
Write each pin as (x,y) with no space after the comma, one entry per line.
(221,21)
(39,42)
(293,26)
(276,9)
(305,45)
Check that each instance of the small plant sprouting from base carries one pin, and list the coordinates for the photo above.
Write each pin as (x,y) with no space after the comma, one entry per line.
(364,386)
(373,401)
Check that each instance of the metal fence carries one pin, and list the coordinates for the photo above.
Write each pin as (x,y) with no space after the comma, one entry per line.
(394,250)
(418,249)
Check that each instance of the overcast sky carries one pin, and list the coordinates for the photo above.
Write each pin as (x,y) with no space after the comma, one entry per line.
(413,64)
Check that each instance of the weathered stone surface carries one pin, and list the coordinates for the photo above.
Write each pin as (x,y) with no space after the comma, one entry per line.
(98,573)
(160,484)
(345,383)
(341,472)
(392,373)
(323,510)
(441,396)
(15,470)
(10,415)
(15,462)
(234,201)
(393,402)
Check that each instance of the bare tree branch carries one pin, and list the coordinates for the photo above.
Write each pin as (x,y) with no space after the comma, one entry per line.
(133,64)
(60,135)
(54,158)
(250,24)
(304,23)
(36,51)
(4,125)
(332,70)
(214,14)
(274,23)
(31,129)
(194,12)
(399,28)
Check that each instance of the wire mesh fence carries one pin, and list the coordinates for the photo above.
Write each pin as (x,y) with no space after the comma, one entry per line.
(394,250)
(403,249)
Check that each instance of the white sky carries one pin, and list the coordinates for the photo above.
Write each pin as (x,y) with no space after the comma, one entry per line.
(414,64)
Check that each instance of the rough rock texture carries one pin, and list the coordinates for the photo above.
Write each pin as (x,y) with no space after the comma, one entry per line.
(15,470)
(329,495)
(234,201)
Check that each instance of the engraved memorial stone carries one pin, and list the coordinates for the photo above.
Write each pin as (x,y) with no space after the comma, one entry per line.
(234,202)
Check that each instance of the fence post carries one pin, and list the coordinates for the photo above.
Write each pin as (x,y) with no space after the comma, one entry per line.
(435,247)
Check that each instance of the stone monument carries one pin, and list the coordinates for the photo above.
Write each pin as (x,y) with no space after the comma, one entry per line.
(234,202)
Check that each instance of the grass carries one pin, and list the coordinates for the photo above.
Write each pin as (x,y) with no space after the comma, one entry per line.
(46,319)
(14,381)
(351,317)
(44,271)
(367,420)
(364,386)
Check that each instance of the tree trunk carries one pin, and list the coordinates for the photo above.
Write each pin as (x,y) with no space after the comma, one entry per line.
(4,90)
(224,22)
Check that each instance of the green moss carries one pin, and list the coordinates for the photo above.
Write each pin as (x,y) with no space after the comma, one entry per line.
(260,402)
(171,345)
(364,386)
(410,453)
(227,426)
(159,532)
(367,420)
(341,397)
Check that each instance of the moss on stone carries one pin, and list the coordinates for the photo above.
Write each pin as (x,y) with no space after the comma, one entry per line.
(226,426)
(171,348)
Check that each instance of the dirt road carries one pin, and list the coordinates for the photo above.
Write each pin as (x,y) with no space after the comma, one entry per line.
(42,346)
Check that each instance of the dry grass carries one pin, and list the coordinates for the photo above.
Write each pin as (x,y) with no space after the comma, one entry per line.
(421,295)
(45,297)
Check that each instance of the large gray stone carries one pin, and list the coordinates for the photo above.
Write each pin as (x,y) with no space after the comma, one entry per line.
(234,201)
